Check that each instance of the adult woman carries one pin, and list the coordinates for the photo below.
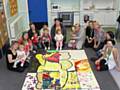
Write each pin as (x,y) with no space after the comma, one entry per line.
(99,36)
(55,27)
(12,57)
(34,37)
(80,36)
(26,42)
(108,35)
(89,42)
(32,31)
(110,58)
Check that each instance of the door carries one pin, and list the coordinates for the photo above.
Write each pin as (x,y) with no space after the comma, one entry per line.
(38,10)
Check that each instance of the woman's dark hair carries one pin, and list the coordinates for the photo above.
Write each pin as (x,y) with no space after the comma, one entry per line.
(111,34)
(31,23)
(24,34)
(58,19)
(14,42)
(112,40)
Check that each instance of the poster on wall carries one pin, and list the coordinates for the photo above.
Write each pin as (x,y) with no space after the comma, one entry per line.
(3,32)
(13,7)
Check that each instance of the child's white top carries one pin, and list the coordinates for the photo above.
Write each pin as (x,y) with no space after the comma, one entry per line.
(21,53)
(58,37)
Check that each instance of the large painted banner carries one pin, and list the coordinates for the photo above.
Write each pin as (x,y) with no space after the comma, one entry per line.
(62,70)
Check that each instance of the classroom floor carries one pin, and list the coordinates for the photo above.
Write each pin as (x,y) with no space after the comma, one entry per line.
(14,81)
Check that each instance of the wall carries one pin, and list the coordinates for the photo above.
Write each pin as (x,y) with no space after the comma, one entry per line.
(63,6)
(119,6)
(67,5)
(22,9)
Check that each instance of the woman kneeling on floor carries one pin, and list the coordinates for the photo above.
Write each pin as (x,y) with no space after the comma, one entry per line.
(12,58)
(110,58)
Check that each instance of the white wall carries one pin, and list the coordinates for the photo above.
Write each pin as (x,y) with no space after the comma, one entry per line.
(67,5)
(105,17)
(64,6)
(119,6)
(23,10)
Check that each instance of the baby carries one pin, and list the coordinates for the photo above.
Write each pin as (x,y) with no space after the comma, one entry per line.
(35,38)
(59,39)
(21,56)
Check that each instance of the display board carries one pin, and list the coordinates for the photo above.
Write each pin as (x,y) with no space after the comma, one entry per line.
(13,7)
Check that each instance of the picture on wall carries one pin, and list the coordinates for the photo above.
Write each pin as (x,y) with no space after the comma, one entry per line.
(86,18)
(13,7)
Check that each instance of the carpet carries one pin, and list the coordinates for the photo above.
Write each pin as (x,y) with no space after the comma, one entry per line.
(66,69)
(116,76)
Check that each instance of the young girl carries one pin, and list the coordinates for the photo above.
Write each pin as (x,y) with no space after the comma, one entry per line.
(59,39)
(21,56)
(110,59)
(45,39)
(72,42)
(35,41)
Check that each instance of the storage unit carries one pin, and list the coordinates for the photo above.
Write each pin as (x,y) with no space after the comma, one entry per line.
(103,11)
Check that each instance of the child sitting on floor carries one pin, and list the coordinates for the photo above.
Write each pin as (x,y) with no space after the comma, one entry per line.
(45,39)
(59,39)
(72,42)
(21,56)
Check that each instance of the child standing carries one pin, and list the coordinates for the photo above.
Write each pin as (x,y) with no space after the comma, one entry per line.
(21,56)
(45,39)
(59,39)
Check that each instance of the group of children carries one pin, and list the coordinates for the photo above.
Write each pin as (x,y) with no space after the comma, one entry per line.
(45,38)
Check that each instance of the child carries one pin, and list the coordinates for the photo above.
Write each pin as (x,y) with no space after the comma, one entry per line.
(21,56)
(45,39)
(72,42)
(59,39)
(35,41)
